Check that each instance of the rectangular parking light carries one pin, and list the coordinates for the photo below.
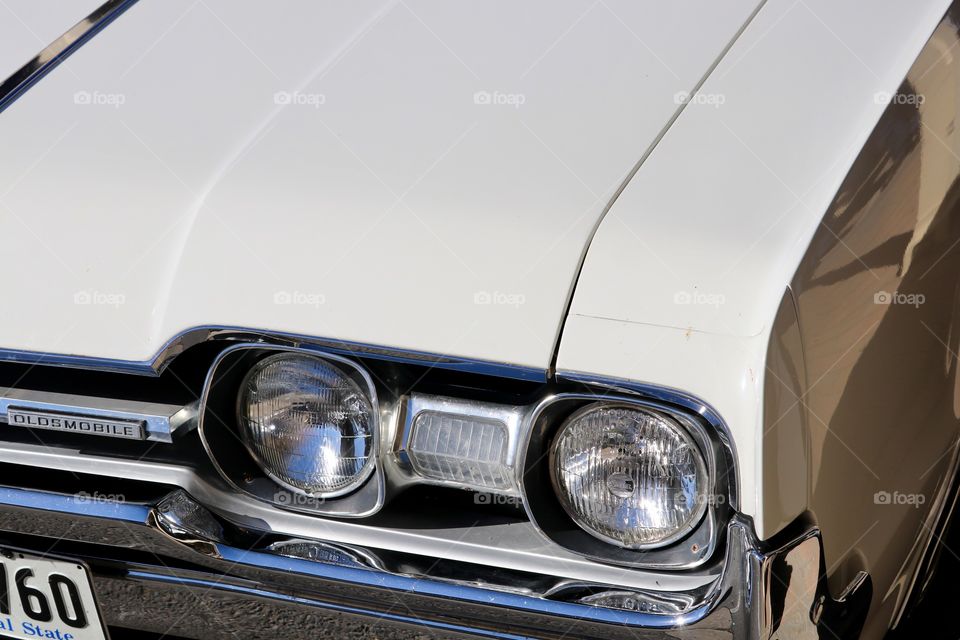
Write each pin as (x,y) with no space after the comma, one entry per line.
(466,450)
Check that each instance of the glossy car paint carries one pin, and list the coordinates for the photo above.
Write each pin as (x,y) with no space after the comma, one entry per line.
(258,201)
(880,281)
(726,206)
(835,397)
(399,174)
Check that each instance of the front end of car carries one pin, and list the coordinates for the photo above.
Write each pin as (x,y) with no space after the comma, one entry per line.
(268,481)
(337,322)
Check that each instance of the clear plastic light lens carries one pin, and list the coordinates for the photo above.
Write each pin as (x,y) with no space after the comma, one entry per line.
(461,449)
(308,424)
(628,476)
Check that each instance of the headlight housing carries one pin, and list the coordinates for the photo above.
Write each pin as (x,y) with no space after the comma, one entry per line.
(628,475)
(308,424)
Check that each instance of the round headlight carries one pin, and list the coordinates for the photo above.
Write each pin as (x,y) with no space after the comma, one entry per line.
(629,476)
(309,426)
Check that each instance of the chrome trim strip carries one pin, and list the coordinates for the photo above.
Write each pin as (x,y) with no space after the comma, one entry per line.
(59,50)
(522,549)
(273,595)
(197,335)
(461,592)
(765,587)
(159,421)
(31,499)
(451,588)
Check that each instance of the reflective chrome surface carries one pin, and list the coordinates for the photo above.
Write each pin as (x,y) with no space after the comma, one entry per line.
(496,544)
(229,461)
(311,428)
(158,421)
(55,53)
(765,591)
(640,390)
(499,545)
(196,335)
(694,550)
(622,472)
(184,520)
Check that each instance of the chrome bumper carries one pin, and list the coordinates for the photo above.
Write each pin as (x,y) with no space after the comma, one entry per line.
(170,566)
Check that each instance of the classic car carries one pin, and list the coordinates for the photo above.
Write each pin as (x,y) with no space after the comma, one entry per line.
(414,318)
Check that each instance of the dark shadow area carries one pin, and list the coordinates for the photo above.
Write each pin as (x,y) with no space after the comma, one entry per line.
(935,616)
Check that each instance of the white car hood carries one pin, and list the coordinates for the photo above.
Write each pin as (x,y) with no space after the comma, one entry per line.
(417,175)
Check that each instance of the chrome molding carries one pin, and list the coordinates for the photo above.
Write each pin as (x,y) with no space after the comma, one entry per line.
(213,585)
(58,51)
(158,421)
(155,365)
(519,546)
(764,591)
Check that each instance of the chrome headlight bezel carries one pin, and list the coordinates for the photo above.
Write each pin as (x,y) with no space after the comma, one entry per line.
(699,461)
(247,437)
(689,549)
(218,425)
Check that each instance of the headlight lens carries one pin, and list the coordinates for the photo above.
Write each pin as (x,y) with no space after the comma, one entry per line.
(629,476)
(308,424)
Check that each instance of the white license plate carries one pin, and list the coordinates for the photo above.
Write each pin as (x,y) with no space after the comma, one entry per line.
(46,598)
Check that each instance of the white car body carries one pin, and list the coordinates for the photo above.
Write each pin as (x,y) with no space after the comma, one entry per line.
(532,186)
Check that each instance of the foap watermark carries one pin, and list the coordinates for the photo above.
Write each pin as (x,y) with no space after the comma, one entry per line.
(912,99)
(499,98)
(299,298)
(299,98)
(99,98)
(496,498)
(87,498)
(714,499)
(291,499)
(710,499)
(101,298)
(499,298)
(895,297)
(714,100)
(700,298)
(914,500)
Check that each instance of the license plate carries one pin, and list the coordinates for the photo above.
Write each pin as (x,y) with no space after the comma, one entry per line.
(46,598)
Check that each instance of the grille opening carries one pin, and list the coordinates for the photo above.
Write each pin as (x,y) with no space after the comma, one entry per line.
(448,508)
